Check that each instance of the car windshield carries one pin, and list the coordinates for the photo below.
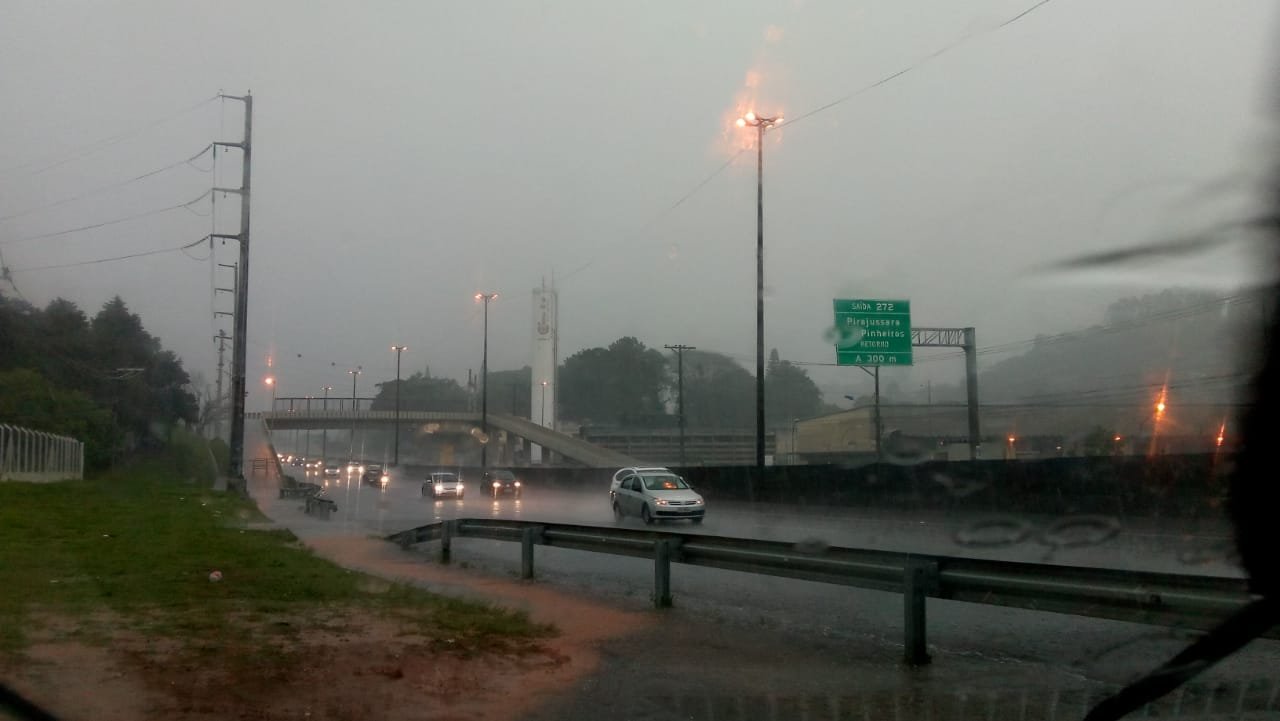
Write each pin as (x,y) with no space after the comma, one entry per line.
(866,302)
(664,483)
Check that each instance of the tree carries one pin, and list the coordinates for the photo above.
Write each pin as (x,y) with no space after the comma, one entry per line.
(718,392)
(789,392)
(624,384)
(421,392)
(144,384)
(509,392)
(30,400)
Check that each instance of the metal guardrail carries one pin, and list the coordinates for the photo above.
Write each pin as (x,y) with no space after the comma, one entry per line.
(1165,599)
(29,455)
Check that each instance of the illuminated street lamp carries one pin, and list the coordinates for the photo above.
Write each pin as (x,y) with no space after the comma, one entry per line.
(271,383)
(484,380)
(761,124)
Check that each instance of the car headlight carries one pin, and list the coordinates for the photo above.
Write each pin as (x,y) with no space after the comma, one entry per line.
(362,469)
(517,484)
(698,501)
(459,486)
(660,501)
(386,478)
(439,488)
(497,484)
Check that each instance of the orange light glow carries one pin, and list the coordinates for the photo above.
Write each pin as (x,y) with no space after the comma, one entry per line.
(1116,439)
(741,123)
(269,381)
(1012,439)
(750,117)
(1160,407)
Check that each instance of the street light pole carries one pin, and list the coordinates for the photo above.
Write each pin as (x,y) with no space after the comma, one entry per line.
(307,452)
(543,415)
(484,382)
(324,430)
(396,457)
(761,124)
(351,445)
(271,381)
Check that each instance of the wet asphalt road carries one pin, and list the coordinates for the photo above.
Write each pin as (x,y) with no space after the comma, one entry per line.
(1061,651)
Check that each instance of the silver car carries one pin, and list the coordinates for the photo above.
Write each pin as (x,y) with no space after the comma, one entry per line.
(656,495)
(443,485)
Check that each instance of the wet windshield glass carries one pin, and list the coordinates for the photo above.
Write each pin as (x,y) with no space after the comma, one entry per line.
(925,333)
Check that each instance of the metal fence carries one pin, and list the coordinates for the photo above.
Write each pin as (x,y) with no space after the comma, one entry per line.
(28,455)
(1165,599)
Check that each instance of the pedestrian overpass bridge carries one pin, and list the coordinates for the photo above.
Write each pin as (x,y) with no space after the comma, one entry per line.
(446,422)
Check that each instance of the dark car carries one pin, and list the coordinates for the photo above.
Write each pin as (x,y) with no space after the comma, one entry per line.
(500,483)
(375,475)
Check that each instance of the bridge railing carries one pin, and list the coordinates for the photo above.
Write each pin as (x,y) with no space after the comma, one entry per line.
(569,446)
(1196,602)
(30,455)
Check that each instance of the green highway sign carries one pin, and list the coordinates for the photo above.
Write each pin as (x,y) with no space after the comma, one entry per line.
(873,332)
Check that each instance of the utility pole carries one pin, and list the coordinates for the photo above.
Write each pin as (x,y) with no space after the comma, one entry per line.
(241,332)
(679,350)
(484,381)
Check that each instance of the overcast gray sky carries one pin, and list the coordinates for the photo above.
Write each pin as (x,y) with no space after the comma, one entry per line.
(410,154)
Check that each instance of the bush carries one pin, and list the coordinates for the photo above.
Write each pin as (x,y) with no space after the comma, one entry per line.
(189,456)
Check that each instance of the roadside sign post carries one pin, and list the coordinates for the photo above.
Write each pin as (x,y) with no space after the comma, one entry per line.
(873,332)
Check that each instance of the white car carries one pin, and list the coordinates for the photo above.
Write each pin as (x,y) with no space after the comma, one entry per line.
(442,485)
(655,494)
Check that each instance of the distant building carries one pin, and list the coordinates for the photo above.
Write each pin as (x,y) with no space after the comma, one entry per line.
(941,431)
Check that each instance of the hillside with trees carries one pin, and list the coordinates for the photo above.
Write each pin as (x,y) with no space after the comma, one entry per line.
(104,380)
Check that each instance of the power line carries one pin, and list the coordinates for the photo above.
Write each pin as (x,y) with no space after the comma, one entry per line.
(903,71)
(111,186)
(113,258)
(180,206)
(88,149)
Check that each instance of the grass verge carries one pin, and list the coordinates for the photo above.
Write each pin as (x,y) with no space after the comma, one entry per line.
(135,550)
